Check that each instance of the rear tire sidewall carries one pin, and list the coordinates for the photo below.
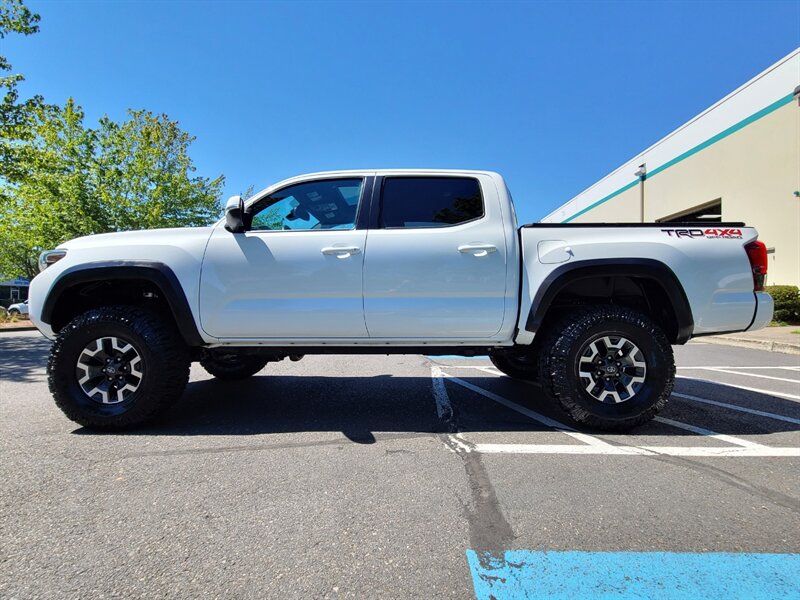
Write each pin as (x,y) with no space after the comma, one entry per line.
(559,367)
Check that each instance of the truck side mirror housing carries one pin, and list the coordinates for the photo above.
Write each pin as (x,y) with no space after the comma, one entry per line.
(234,214)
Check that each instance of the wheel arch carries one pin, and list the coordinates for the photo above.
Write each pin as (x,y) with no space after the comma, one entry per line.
(69,294)
(616,280)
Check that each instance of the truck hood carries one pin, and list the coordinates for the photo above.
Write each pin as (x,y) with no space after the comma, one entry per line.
(179,236)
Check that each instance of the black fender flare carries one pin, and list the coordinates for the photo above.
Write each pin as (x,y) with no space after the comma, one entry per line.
(158,273)
(644,268)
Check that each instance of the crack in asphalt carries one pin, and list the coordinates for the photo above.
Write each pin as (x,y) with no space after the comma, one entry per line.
(489,530)
(732,480)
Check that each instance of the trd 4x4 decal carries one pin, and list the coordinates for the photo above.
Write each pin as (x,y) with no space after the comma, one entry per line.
(712,234)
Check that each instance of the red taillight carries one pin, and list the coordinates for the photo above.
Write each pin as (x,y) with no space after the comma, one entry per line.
(757,253)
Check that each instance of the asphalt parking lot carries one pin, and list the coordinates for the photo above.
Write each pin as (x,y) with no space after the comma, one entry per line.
(403,477)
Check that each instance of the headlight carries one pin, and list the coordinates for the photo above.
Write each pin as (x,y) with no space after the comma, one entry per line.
(50,257)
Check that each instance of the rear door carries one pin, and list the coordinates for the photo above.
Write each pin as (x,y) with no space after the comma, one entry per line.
(435,265)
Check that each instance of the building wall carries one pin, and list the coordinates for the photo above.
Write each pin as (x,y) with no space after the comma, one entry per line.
(755,172)
(751,161)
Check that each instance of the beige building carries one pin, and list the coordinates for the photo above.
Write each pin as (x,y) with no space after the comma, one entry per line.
(737,161)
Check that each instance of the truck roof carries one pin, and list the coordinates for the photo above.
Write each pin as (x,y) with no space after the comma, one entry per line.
(366,172)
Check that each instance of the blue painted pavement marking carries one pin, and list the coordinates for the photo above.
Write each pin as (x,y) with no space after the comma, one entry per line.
(521,574)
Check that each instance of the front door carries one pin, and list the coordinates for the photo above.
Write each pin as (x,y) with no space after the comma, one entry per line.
(296,273)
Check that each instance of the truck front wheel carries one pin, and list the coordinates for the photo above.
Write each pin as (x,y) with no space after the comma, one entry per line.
(608,367)
(117,367)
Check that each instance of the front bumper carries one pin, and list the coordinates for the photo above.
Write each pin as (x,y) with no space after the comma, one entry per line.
(45,328)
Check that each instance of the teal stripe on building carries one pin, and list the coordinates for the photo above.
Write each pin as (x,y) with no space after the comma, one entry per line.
(681,157)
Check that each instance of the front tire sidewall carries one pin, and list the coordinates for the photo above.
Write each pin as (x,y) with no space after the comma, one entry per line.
(163,367)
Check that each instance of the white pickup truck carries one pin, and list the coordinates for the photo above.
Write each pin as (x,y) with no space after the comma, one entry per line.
(391,261)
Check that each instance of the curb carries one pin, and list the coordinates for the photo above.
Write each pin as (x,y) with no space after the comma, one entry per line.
(769,346)
(6,329)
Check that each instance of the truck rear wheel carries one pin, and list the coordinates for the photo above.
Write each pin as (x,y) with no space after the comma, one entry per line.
(232,366)
(608,367)
(517,365)
(117,367)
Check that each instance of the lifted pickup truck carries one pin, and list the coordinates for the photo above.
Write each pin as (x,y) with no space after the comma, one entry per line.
(391,261)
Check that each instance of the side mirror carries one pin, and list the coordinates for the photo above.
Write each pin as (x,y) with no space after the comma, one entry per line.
(298,212)
(234,214)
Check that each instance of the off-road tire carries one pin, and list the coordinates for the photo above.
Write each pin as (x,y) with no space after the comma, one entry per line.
(517,366)
(233,367)
(558,367)
(164,365)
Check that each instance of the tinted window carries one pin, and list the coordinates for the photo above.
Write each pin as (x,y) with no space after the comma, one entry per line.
(430,201)
(327,204)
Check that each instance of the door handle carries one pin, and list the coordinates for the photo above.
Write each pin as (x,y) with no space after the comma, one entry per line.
(477,249)
(341,251)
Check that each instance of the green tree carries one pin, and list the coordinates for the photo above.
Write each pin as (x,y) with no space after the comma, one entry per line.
(134,174)
(145,177)
(14,115)
(50,199)
(60,179)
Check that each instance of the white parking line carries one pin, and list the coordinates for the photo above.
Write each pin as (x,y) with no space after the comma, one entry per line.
(752,411)
(708,433)
(595,446)
(490,370)
(697,451)
(479,367)
(732,372)
(560,449)
(744,387)
(531,414)
(443,407)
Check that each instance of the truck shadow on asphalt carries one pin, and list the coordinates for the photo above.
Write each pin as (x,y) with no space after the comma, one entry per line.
(360,406)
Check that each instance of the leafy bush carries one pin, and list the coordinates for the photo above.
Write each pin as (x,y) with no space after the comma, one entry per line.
(787,302)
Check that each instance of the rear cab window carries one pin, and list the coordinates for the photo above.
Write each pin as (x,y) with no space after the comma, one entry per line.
(424,202)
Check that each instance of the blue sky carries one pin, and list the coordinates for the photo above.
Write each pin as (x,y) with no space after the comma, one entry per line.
(553,95)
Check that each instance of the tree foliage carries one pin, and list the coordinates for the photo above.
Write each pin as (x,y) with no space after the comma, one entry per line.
(14,115)
(134,174)
(60,179)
